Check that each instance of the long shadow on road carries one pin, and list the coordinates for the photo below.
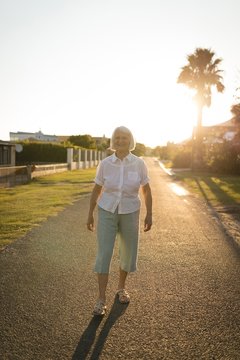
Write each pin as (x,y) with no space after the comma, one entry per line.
(88,337)
(234,209)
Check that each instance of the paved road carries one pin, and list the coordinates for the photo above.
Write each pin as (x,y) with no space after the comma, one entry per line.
(185,297)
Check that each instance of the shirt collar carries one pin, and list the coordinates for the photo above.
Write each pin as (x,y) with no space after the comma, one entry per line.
(127,158)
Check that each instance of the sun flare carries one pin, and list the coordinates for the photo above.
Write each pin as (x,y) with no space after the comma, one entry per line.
(177,117)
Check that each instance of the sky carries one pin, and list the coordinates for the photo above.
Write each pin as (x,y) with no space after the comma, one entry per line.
(75,67)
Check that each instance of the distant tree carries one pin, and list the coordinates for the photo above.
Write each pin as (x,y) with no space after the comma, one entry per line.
(156,151)
(201,74)
(85,141)
(139,150)
(104,145)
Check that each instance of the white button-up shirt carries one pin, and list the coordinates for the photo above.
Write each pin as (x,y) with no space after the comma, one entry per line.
(121,180)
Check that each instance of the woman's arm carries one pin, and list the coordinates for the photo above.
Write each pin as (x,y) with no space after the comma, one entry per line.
(147,194)
(93,201)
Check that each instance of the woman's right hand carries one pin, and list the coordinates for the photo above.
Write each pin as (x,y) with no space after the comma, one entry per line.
(90,223)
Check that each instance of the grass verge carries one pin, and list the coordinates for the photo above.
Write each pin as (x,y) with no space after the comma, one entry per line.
(219,190)
(25,206)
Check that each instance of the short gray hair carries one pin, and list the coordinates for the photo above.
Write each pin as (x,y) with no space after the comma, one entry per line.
(123,129)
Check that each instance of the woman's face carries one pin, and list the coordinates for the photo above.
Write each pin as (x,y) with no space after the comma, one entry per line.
(121,141)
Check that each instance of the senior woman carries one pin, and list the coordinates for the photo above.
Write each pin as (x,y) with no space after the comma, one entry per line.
(116,192)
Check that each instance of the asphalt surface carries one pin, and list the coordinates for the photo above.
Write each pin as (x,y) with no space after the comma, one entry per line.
(185,296)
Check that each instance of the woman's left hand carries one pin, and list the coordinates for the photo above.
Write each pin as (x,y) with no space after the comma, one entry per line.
(147,223)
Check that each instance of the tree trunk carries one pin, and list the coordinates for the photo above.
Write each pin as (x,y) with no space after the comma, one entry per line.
(197,156)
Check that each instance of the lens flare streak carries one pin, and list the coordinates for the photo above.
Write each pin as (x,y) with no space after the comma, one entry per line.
(178,190)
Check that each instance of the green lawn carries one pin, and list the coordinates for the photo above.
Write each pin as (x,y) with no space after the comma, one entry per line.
(217,190)
(25,206)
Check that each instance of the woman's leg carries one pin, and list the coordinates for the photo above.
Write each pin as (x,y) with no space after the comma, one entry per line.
(122,279)
(106,234)
(128,249)
(123,295)
(128,243)
(102,284)
(100,306)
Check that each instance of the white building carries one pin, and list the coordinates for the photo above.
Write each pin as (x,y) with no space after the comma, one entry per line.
(19,136)
(219,133)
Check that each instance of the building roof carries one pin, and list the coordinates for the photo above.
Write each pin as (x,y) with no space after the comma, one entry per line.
(228,123)
(2,142)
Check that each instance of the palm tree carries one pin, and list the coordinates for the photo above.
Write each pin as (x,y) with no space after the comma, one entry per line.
(201,74)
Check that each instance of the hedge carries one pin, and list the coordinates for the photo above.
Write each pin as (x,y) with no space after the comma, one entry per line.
(36,152)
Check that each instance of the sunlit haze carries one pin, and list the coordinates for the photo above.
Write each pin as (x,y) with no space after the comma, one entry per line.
(70,67)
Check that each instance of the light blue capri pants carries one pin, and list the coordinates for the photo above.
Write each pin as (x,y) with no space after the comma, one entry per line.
(126,228)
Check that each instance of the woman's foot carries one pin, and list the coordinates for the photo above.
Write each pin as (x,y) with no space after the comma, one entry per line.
(123,296)
(99,308)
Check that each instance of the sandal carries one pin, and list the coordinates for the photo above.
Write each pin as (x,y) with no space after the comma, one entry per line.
(99,308)
(123,296)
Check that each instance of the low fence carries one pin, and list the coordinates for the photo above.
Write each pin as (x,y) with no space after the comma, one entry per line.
(42,170)
(14,175)
(17,175)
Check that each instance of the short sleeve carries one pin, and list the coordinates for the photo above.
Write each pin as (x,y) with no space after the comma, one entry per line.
(144,174)
(99,175)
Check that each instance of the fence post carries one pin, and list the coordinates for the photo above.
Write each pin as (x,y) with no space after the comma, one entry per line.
(90,158)
(69,157)
(85,162)
(29,173)
(99,156)
(79,159)
(13,156)
(95,157)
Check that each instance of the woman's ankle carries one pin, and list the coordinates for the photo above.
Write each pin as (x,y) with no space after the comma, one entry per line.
(102,298)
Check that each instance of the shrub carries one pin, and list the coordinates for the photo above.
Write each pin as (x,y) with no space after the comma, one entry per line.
(223,158)
(182,159)
(37,152)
